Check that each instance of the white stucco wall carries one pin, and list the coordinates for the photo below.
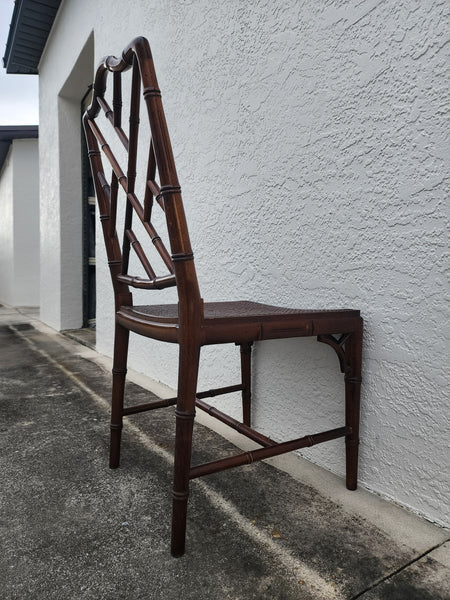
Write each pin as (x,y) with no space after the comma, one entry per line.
(26,222)
(19,225)
(310,142)
(65,77)
(6,232)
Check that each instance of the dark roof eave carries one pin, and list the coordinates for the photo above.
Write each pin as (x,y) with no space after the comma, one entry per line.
(18,132)
(28,35)
(8,133)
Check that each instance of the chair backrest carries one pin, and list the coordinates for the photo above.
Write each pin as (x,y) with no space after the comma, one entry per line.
(166,195)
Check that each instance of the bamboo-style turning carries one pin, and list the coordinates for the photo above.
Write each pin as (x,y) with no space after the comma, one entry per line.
(190,323)
(234,423)
(247,458)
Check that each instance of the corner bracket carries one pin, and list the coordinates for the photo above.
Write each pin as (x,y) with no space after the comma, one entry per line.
(338,345)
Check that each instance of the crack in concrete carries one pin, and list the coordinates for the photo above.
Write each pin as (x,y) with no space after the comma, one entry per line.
(397,571)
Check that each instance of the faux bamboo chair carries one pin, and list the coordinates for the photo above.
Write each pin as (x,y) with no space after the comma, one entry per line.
(192,323)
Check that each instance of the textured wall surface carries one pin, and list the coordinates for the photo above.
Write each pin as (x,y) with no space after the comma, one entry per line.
(65,76)
(7,232)
(19,225)
(311,142)
(26,222)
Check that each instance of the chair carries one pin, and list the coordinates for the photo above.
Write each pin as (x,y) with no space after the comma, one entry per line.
(191,323)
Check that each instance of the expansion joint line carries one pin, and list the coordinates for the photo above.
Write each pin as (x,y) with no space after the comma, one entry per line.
(397,571)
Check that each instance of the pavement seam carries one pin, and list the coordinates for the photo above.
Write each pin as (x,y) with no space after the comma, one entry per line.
(299,571)
(397,571)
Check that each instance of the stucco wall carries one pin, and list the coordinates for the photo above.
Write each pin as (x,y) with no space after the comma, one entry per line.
(26,222)
(6,232)
(64,76)
(19,225)
(310,142)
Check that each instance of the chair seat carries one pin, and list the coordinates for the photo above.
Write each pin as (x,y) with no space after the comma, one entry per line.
(238,321)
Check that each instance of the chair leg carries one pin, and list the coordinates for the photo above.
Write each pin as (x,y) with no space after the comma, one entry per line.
(353,351)
(118,387)
(246,358)
(185,413)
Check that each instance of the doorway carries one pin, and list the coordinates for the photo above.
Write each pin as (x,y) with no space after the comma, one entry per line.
(76,302)
(88,209)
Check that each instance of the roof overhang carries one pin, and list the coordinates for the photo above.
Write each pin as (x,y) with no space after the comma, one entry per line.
(8,133)
(30,26)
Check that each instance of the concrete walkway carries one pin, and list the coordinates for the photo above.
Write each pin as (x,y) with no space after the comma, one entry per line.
(73,529)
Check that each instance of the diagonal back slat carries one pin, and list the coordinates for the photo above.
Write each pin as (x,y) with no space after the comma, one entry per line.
(155,238)
(109,114)
(108,153)
(136,245)
(132,201)
(104,199)
(156,191)
(151,171)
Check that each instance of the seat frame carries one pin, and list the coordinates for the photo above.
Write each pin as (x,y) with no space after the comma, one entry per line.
(191,323)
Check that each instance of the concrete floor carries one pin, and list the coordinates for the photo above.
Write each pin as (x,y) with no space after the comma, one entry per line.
(73,529)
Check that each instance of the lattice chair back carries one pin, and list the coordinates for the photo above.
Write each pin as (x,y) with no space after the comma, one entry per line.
(165,195)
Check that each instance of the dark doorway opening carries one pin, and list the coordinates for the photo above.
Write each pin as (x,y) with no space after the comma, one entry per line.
(88,201)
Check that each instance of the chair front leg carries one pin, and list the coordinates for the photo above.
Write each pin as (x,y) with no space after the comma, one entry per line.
(185,413)
(119,371)
(353,356)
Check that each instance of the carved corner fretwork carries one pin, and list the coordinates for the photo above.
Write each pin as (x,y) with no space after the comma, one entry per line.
(338,345)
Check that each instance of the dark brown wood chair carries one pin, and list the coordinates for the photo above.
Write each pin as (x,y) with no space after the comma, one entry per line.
(191,323)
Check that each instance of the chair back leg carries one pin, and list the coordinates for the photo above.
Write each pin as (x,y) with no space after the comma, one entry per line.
(119,371)
(246,359)
(185,413)
(353,351)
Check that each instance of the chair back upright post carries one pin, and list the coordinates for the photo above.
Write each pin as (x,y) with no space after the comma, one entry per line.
(180,262)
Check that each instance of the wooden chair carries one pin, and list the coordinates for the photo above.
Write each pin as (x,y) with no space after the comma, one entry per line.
(192,323)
